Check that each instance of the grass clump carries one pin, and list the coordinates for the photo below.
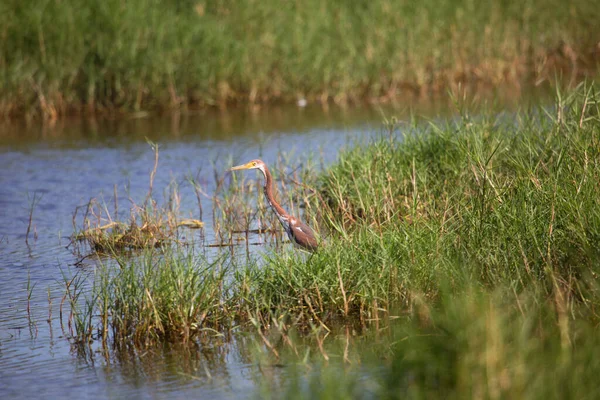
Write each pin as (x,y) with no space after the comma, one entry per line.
(169,295)
(149,225)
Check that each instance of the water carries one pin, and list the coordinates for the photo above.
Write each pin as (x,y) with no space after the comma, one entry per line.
(51,170)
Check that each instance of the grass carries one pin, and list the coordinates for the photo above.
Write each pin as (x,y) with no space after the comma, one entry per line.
(149,225)
(479,238)
(169,296)
(473,241)
(494,201)
(474,343)
(62,57)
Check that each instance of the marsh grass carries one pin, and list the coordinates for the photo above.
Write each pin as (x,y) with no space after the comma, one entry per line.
(492,243)
(166,290)
(489,201)
(464,254)
(108,56)
(171,295)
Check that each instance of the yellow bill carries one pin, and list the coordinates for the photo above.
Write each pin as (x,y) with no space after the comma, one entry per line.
(250,165)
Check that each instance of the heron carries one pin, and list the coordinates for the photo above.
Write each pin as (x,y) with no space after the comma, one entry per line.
(298,232)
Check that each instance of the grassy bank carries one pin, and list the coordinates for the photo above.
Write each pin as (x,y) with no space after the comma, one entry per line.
(106,56)
(491,202)
(495,202)
(480,238)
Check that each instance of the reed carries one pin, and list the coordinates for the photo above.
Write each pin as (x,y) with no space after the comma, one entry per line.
(109,57)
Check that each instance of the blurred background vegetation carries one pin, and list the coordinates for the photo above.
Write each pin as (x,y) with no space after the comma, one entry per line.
(62,57)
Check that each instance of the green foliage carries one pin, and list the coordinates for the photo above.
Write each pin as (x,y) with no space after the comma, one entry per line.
(510,202)
(61,56)
(174,295)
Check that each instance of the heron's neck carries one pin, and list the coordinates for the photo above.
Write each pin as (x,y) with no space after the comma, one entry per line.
(269,194)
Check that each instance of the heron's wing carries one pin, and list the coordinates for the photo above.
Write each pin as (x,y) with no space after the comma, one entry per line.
(303,235)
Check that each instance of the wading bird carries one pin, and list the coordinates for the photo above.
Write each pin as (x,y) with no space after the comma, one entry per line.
(298,232)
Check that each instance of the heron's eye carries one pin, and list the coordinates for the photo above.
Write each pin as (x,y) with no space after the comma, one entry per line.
(254,164)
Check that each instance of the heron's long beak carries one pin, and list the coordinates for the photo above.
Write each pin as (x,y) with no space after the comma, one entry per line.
(243,166)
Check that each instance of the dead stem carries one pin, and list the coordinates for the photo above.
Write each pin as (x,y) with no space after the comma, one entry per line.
(34,202)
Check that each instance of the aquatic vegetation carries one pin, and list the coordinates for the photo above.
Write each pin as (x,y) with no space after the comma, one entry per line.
(170,295)
(109,56)
(148,225)
(464,254)
(493,201)
(238,213)
(491,243)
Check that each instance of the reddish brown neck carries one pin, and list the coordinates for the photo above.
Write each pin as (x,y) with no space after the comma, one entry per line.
(269,193)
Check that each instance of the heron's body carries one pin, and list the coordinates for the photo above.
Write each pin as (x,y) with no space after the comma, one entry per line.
(298,232)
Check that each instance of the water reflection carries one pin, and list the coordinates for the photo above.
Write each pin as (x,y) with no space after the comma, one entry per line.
(172,368)
(208,125)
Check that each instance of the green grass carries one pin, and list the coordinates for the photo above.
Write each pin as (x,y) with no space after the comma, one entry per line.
(492,202)
(172,296)
(480,238)
(60,57)
(474,243)
(477,343)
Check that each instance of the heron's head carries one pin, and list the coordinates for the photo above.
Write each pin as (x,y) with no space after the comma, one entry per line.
(254,164)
